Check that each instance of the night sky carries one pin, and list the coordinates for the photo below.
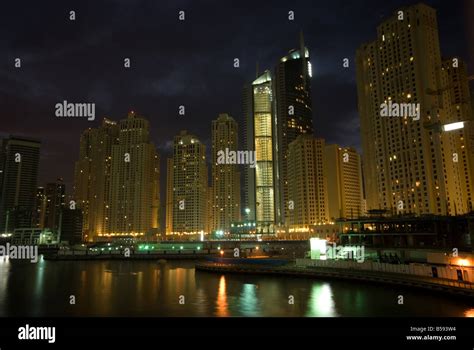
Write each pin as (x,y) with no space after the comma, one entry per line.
(182,63)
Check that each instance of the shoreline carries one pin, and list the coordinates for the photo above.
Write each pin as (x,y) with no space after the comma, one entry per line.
(443,286)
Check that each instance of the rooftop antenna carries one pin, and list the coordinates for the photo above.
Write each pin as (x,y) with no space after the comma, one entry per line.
(303,58)
(256,70)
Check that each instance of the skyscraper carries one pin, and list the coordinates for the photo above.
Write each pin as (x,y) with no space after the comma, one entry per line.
(169,196)
(294,116)
(92,177)
(55,194)
(263,142)
(19,161)
(471,89)
(458,145)
(249,142)
(277,109)
(225,177)
(307,184)
(189,204)
(40,208)
(344,182)
(134,181)
(406,163)
(71,226)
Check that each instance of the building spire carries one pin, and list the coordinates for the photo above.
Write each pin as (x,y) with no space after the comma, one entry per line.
(303,58)
(302,50)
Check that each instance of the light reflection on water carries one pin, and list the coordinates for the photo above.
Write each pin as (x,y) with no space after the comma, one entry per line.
(321,303)
(222,307)
(134,288)
(469,313)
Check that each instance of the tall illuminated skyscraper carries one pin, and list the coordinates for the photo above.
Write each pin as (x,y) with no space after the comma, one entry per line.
(19,161)
(225,177)
(307,190)
(264,201)
(134,181)
(294,116)
(344,182)
(92,177)
(407,161)
(458,145)
(277,109)
(189,204)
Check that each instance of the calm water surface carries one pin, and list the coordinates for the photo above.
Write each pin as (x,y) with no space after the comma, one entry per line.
(135,288)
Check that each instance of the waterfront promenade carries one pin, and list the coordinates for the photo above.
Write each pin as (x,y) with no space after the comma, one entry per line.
(334,272)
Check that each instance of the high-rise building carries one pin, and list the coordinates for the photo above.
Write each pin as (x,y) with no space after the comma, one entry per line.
(249,142)
(277,109)
(294,116)
(19,161)
(189,205)
(40,208)
(264,140)
(209,227)
(55,196)
(307,190)
(405,150)
(458,145)
(71,226)
(169,196)
(134,181)
(225,177)
(471,89)
(344,182)
(92,177)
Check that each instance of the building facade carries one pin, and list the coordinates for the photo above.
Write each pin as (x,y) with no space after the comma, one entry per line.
(277,109)
(71,226)
(264,131)
(407,156)
(55,197)
(40,208)
(19,161)
(344,182)
(308,200)
(189,205)
(294,116)
(458,145)
(169,196)
(225,198)
(92,177)
(134,181)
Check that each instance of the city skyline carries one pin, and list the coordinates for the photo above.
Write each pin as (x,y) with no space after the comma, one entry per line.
(277,107)
(308,162)
(36,106)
